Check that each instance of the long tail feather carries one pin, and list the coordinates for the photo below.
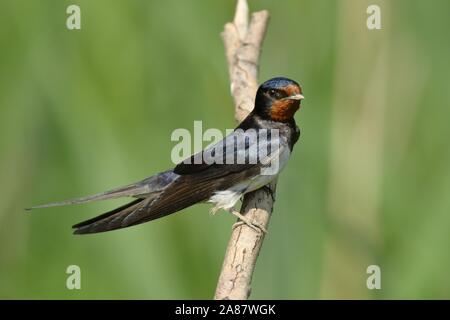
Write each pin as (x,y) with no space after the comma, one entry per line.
(127,191)
(140,189)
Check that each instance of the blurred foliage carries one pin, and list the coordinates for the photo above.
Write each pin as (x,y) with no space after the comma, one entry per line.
(86,110)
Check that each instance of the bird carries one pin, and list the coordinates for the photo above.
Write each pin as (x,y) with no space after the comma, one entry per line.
(263,142)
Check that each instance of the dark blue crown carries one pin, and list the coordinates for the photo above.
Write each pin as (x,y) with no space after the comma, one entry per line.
(278,83)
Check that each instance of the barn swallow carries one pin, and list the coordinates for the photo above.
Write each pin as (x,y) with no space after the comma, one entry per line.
(222,183)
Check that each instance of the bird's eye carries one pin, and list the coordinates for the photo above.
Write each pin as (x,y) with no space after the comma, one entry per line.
(274,93)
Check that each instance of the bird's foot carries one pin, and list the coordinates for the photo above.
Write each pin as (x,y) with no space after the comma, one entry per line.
(244,220)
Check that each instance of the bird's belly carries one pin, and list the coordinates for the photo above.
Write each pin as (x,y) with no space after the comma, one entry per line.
(226,199)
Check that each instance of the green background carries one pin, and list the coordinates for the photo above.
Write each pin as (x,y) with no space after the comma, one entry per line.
(85,110)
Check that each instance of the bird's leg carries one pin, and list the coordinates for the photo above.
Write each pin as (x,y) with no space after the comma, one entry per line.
(245,220)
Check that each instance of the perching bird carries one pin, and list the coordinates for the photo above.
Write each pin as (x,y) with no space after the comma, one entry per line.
(247,159)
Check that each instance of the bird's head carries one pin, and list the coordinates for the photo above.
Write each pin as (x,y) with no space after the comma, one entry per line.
(278,99)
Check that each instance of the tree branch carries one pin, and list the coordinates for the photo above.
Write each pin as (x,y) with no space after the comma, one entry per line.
(243,41)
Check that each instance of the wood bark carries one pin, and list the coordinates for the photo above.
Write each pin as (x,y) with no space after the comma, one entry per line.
(243,39)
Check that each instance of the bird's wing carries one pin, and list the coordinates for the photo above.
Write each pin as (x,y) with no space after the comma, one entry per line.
(236,152)
(107,217)
(195,183)
(182,193)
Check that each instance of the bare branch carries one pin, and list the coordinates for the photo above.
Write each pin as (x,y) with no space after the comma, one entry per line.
(243,41)
(241,18)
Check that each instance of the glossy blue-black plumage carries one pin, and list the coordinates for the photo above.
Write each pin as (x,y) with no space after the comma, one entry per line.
(277,83)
